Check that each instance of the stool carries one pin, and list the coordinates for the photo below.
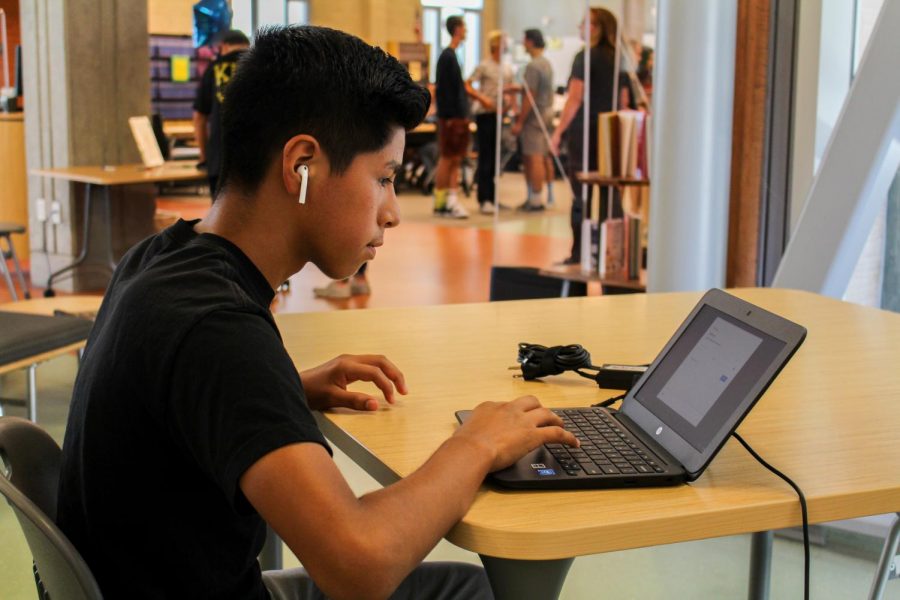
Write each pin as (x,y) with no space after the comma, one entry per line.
(6,231)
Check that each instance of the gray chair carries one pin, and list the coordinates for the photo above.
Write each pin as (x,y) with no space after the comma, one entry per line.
(29,475)
(6,231)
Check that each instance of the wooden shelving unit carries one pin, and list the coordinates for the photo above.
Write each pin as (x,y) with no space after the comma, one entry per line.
(574,272)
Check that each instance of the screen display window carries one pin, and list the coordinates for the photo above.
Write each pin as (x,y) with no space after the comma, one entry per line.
(710,369)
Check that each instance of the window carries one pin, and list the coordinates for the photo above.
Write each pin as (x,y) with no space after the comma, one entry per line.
(252,14)
(434,18)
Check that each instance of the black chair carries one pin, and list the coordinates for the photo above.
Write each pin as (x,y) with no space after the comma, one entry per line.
(526,283)
(30,461)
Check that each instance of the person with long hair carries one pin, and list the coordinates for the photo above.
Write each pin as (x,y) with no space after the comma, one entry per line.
(604,32)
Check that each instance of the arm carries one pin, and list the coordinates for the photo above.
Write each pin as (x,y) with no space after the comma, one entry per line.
(488,103)
(365,547)
(523,114)
(574,99)
(202,109)
(201,133)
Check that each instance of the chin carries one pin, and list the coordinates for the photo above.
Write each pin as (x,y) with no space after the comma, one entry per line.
(340,271)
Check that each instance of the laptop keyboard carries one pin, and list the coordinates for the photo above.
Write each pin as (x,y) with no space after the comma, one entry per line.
(605,447)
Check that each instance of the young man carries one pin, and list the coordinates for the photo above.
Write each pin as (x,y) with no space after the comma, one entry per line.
(537,106)
(452,101)
(208,105)
(190,427)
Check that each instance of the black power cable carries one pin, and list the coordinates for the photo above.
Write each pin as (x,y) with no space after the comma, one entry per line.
(538,361)
(803,510)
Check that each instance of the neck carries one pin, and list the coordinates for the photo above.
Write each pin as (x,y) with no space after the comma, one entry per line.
(535,52)
(455,42)
(247,223)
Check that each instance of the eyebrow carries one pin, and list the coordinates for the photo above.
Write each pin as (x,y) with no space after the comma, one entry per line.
(393,164)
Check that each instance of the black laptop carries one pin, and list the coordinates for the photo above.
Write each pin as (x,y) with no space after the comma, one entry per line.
(680,412)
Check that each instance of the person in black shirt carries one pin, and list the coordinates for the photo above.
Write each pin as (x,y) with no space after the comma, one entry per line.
(190,428)
(452,100)
(603,67)
(208,104)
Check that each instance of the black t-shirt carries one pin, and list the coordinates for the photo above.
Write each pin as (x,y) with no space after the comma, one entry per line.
(603,61)
(210,96)
(185,383)
(449,89)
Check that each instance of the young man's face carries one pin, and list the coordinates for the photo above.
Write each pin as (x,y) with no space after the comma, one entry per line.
(354,209)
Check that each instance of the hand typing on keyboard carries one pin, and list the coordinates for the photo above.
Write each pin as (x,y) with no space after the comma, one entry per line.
(509,430)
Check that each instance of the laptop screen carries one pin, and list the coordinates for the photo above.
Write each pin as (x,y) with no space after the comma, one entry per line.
(698,386)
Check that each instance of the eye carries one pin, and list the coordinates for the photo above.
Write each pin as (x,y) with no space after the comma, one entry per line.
(384,181)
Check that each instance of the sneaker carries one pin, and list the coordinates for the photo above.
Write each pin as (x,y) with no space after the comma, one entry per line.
(572,260)
(359,287)
(455,210)
(336,290)
(529,207)
(440,212)
(486,208)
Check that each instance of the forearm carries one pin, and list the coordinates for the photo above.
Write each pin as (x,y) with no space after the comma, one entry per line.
(432,499)
(200,133)
(573,103)
(526,109)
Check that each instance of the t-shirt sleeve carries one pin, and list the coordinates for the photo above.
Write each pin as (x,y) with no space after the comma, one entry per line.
(578,67)
(236,396)
(203,103)
(477,74)
(532,77)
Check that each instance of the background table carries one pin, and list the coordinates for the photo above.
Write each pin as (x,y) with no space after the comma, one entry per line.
(107,177)
(829,421)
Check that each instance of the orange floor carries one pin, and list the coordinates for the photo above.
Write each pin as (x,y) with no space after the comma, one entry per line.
(424,261)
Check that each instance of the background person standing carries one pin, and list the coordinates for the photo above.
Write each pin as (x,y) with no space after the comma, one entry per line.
(487,76)
(208,105)
(603,67)
(453,124)
(537,107)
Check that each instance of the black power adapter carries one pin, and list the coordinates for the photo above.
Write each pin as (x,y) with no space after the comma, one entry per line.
(538,361)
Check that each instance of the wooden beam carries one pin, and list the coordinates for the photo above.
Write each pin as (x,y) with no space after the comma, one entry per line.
(748,140)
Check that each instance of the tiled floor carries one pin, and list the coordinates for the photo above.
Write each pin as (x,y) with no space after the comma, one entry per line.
(429,261)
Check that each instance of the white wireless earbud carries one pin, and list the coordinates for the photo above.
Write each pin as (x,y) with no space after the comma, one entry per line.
(303,172)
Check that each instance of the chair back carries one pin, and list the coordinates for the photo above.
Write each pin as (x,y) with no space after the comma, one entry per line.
(29,476)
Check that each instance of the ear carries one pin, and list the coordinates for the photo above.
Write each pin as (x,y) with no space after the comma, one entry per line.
(301,149)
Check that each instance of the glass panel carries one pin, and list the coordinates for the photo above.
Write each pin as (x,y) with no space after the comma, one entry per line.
(298,12)
(243,16)
(431,36)
(270,12)
(472,46)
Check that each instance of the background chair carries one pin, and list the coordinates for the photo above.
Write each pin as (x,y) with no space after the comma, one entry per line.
(6,232)
(526,283)
(29,475)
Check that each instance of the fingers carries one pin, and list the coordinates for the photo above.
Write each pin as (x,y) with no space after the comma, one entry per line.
(354,400)
(363,372)
(387,367)
(557,435)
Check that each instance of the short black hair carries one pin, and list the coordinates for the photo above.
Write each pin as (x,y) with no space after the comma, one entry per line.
(234,37)
(453,22)
(326,83)
(535,37)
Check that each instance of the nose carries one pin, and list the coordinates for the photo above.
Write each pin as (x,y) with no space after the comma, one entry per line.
(390,214)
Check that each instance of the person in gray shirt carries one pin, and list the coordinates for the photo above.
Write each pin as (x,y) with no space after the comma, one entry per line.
(487,76)
(537,107)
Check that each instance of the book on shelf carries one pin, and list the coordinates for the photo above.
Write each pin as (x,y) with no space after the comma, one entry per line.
(623,149)
(620,248)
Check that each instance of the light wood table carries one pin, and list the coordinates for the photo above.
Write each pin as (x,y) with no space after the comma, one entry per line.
(107,177)
(830,421)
